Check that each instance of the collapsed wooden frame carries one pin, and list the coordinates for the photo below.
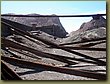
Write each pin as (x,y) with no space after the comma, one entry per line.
(99,62)
(33,65)
(8,43)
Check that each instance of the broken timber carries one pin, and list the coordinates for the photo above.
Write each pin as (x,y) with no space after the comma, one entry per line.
(59,56)
(52,56)
(76,72)
(98,39)
(99,62)
(64,59)
(8,43)
(7,73)
(84,48)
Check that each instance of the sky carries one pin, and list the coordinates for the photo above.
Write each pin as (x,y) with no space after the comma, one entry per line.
(59,8)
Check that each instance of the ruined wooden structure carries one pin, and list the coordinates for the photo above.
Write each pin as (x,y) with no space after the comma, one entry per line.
(18,62)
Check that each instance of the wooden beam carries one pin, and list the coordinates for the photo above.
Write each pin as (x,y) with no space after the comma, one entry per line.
(89,15)
(84,48)
(7,73)
(85,41)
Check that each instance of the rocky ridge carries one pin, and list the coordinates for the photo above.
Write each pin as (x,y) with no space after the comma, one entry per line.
(96,28)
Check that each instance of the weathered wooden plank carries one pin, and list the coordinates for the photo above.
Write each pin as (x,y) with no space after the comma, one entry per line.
(7,73)
(84,48)
(93,40)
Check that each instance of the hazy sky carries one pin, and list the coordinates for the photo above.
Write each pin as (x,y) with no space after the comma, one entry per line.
(58,8)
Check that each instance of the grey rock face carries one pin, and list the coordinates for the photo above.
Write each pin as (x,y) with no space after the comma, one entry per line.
(96,28)
(50,25)
(96,22)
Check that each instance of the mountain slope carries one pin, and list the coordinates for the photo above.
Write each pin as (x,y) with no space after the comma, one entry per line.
(53,23)
(96,28)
